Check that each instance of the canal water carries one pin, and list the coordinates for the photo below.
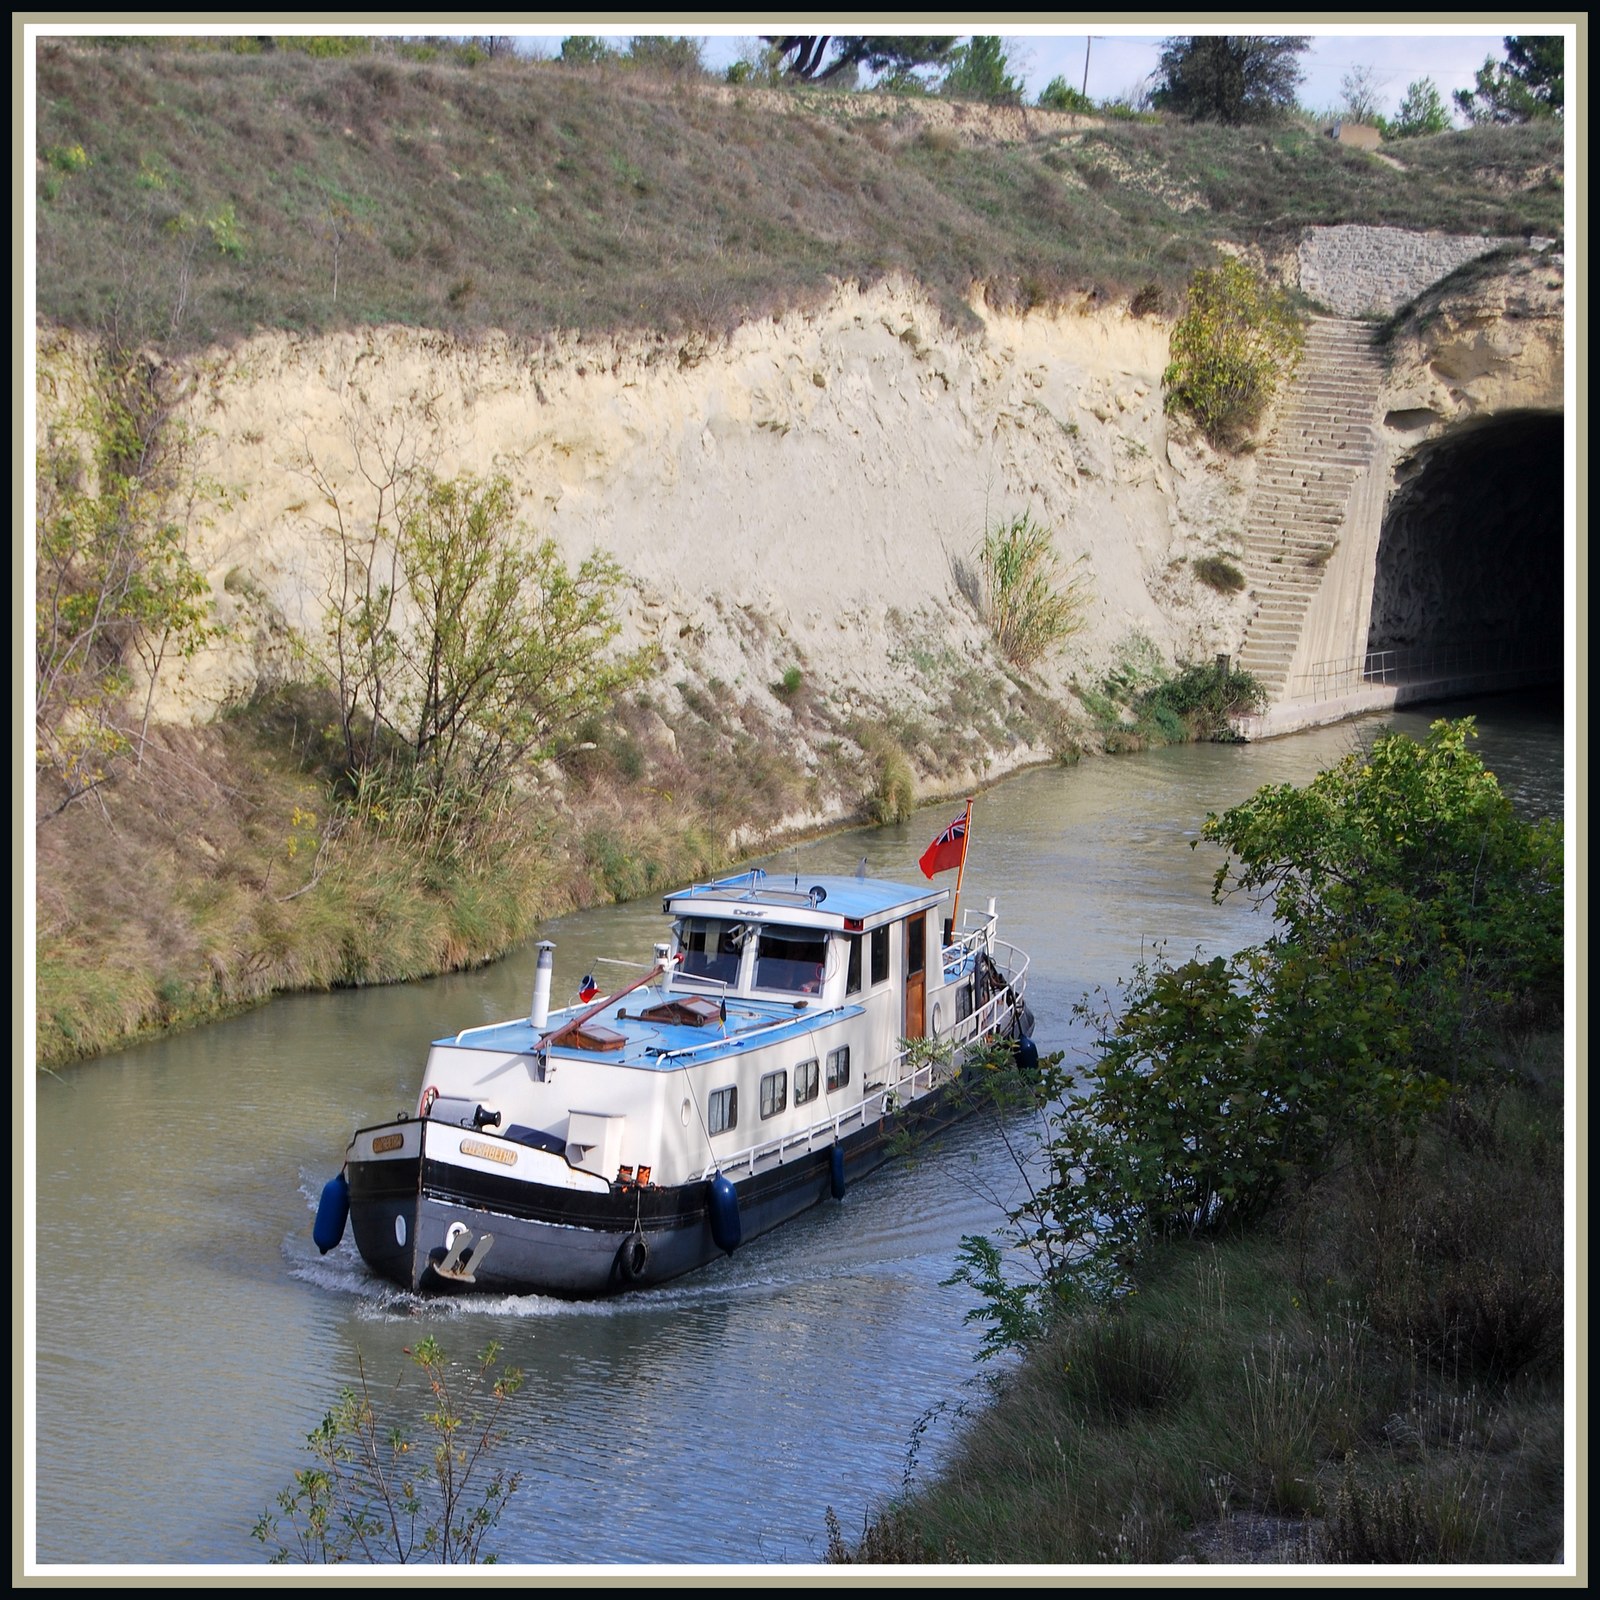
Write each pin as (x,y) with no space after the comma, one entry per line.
(189,1336)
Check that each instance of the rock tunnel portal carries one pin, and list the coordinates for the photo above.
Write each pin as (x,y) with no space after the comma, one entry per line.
(1470,554)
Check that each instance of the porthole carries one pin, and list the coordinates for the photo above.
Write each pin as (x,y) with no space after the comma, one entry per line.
(937,1024)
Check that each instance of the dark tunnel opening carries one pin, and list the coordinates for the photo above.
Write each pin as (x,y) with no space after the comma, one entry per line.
(1471,552)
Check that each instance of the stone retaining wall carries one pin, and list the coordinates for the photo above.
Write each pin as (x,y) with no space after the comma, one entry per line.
(1356,270)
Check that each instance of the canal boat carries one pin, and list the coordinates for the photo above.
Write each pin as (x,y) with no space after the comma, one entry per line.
(783,1040)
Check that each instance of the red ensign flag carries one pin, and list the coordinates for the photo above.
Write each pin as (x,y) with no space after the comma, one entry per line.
(947,850)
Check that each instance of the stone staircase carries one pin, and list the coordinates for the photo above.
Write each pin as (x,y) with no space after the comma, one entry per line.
(1324,439)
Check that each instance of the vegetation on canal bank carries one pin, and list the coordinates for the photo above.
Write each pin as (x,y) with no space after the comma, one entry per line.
(1288,1282)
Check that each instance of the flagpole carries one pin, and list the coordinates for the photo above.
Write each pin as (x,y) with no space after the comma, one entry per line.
(955,906)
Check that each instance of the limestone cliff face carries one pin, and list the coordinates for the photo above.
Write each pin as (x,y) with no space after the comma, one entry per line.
(1484,344)
(809,492)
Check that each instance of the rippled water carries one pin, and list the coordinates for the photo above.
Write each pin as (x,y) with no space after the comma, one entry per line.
(189,1336)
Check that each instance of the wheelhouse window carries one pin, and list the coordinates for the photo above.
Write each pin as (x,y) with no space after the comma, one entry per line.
(852,975)
(791,960)
(807,1076)
(711,948)
(722,1113)
(880,954)
(838,1068)
(774,1094)
(916,944)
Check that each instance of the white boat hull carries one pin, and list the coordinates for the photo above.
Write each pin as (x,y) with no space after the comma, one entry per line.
(550,1239)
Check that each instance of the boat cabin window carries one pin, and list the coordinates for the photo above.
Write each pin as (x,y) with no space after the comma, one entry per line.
(805,1081)
(722,1111)
(774,1094)
(838,1068)
(880,954)
(852,977)
(916,944)
(791,959)
(711,948)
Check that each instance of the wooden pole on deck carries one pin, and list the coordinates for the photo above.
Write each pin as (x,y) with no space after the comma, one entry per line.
(955,905)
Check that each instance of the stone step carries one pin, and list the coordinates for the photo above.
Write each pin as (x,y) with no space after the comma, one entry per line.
(1339,378)
(1284,592)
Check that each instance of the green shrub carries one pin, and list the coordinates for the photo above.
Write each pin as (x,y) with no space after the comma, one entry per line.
(1059,95)
(790,685)
(67,158)
(1231,348)
(1028,609)
(1218,573)
(1201,702)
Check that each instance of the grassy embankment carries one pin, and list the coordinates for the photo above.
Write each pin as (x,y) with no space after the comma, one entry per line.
(193,195)
(284,191)
(1371,1376)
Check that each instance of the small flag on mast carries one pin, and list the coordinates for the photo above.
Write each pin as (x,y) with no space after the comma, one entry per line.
(588,989)
(948,850)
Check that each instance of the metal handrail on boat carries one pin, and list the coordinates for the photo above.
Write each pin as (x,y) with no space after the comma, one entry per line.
(897,1088)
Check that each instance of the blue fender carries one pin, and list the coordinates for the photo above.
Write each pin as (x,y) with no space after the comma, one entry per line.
(722,1202)
(836,1171)
(333,1211)
(1027,1055)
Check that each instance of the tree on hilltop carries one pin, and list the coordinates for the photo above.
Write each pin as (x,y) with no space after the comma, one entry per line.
(806,55)
(1528,84)
(979,70)
(585,50)
(1421,112)
(1230,78)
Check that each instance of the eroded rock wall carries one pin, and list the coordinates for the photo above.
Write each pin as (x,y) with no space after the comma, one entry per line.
(808,492)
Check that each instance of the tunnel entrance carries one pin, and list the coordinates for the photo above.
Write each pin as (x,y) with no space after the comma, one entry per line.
(1470,554)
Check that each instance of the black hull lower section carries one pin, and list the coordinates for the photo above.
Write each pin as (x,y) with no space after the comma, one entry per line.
(581,1244)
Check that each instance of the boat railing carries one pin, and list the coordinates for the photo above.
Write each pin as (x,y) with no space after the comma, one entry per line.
(912,1073)
(487,1027)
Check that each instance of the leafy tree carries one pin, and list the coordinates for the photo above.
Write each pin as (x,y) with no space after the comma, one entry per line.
(510,649)
(1229,78)
(680,56)
(1413,908)
(117,597)
(461,647)
(1409,861)
(374,1495)
(758,63)
(1230,349)
(979,71)
(1422,112)
(1362,97)
(809,59)
(584,50)
(1529,84)
(1059,95)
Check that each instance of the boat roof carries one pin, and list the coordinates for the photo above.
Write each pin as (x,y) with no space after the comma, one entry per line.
(655,1043)
(828,902)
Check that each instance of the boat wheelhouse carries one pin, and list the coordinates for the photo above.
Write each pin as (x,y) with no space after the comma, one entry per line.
(763,1062)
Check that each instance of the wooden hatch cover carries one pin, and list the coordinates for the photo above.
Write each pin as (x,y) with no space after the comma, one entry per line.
(595,1036)
(693,1011)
